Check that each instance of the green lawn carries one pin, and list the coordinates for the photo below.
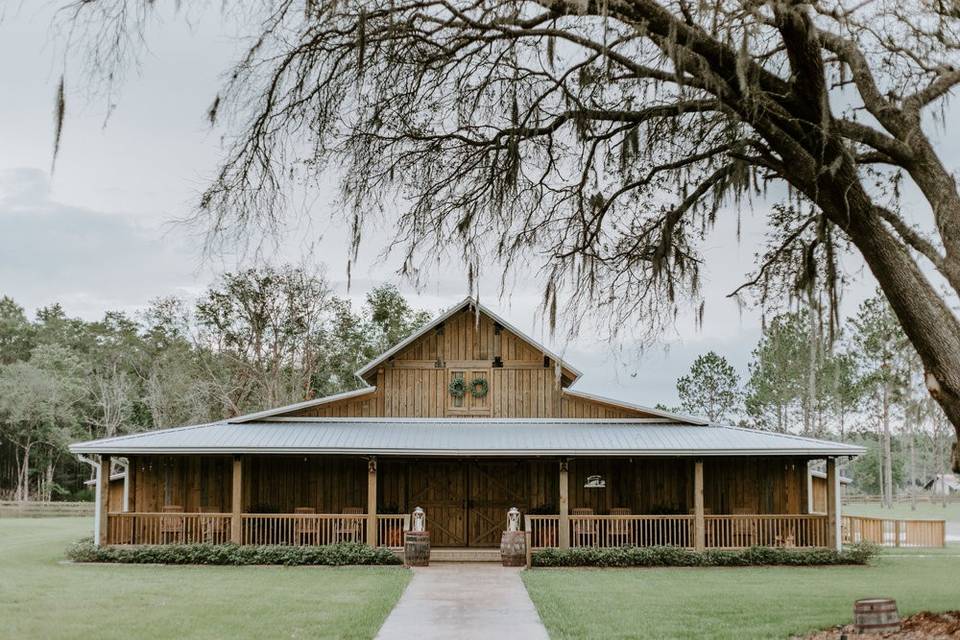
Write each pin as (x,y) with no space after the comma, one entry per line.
(762,602)
(43,597)
(925,511)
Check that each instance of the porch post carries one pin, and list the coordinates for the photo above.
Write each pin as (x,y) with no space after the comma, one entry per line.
(699,524)
(372,502)
(236,504)
(103,501)
(130,486)
(563,538)
(834,537)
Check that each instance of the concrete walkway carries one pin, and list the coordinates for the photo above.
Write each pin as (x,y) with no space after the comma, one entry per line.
(464,600)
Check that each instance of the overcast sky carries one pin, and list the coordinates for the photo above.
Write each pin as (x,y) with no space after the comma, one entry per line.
(96,235)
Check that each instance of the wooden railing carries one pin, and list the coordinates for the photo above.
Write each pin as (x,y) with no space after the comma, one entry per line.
(721,531)
(168,528)
(284,529)
(390,528)
(639,531)
(543,531)
(738,531)
(894,533)
(303,529)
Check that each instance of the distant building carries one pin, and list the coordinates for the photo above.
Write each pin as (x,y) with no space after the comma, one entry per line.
(944,484)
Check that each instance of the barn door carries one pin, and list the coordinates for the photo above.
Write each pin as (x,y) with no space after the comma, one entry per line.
(494,488)
(440,488)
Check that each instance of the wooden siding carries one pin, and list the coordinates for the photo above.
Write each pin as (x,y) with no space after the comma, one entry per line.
(523,383)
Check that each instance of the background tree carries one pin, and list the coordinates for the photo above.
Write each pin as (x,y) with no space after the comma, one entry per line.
(256,339)
(881,350)
(777,373)
(711,389)
(469,119)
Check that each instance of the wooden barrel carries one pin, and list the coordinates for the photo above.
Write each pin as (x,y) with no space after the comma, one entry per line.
(416,548)
(876,615)
(513,549)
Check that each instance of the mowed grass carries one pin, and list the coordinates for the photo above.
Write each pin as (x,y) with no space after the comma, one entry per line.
(925,511)
(43,597)
(761,602)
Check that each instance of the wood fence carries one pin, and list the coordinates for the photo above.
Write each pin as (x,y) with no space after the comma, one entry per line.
(894,533)
(12,509)
(903,498)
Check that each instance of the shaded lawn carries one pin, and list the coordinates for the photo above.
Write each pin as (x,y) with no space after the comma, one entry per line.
(43,597)
(760,602)
(925,511)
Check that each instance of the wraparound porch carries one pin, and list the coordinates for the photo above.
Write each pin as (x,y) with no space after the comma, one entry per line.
(721,502)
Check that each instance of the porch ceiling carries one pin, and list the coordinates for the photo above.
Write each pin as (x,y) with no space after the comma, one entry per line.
(467,437)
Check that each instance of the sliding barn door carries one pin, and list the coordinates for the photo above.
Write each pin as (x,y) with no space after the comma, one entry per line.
(440,488)
(494,488)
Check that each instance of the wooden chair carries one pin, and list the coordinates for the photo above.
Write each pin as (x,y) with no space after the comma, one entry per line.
(171,527)
(584,530)
(351,530)
(213,527)
(618,531)
(305,528)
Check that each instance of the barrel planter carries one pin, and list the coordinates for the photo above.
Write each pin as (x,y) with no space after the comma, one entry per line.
(513,549)
(876,615)
(416,548)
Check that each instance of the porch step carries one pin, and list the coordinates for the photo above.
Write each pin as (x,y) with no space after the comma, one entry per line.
(462,554)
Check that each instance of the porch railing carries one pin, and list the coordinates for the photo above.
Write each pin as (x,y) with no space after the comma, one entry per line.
(894,533)
(738,531)
(390,528)
(168,528)
(639,531)
(257,529)
(720,531)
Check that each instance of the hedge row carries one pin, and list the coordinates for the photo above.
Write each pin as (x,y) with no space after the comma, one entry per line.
(680,557)
(231,554)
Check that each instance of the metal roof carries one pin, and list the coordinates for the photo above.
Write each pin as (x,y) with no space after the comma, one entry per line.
(466,437)
(466,302)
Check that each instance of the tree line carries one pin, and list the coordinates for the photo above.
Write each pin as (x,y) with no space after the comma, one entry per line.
(257,338)
(865,386)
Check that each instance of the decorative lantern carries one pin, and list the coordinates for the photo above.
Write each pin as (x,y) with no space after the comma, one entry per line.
(513,519)
(419,520)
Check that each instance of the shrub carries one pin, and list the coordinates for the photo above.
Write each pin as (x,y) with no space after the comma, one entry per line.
(231,554)
(681,557)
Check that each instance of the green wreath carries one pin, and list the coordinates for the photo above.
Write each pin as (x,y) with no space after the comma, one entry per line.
(479,387)
(457,387)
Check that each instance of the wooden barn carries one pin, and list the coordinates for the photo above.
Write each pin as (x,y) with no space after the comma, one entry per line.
(467,418)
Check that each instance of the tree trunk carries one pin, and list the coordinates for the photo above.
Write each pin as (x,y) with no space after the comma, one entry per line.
(887,460)
(22,493)
(913,475)
(929,323)
(808,418)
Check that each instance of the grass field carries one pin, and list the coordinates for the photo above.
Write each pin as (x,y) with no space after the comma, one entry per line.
(925,511)
(43,597)
(762,602)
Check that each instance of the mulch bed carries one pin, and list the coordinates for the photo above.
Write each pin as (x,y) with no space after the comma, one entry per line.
(925,625)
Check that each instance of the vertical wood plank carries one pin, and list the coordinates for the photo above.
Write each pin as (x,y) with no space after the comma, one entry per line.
(103,479)
(236,504)
(372,502)
(564,520)
(699,529)
(833,504)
